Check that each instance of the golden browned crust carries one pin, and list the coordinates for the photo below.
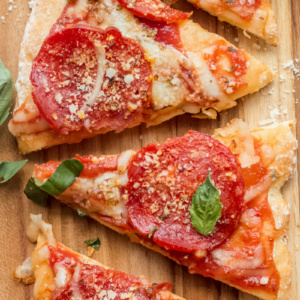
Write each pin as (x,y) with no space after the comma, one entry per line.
(263,23)
(194,38)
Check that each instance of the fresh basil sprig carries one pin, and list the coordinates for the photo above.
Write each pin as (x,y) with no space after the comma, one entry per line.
(61,179)
(206,207)
(9,168)
(6,92)
(94,243)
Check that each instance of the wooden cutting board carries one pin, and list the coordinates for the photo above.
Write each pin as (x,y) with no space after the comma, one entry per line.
(278,101)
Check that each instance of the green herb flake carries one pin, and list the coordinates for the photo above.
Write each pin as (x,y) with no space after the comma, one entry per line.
(152,231)
(206,207)
(232,68)
(94,243)
(61,179)
(6,92)
(10,168)
(80,213)
(231,49)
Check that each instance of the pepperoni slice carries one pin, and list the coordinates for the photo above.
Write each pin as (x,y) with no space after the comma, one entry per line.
(166,34)
(162,180)
(86,77)
(88,281)
(154,10)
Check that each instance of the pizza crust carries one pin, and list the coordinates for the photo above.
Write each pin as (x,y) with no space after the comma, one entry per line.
(41,272)
(44,15)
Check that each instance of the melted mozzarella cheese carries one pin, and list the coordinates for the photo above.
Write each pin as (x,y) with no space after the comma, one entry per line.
(36,226)
(243,262)
(208,82)
(238,138)
(24,271)
(61,276)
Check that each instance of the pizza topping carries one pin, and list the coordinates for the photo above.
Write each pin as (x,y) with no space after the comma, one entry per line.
(88,78)
(154,10)
(228,65)
(82,280)
(163,179)
(206,207)
(96,165)
(165,34)
(152,231)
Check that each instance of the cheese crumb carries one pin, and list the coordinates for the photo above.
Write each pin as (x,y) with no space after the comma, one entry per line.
(128,78)
(31,4)
(264,280)
(110,73)
(72,108)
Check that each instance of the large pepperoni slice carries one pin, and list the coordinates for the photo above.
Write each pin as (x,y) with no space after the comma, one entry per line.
(154,10)
(162,180)
(86,77)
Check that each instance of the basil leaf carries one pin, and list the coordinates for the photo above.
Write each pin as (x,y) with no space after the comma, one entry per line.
(62,178)
(9,168)
(152,231)
(206,207)
(6,92)
(94,243)
(35,194)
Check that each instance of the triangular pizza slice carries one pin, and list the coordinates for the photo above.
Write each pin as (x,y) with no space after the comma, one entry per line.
(104,68)
(62,274)
(254,16)
(210,203)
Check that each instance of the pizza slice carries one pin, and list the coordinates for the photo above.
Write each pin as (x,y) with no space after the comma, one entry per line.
(60,273)
(210,203)
(254,16)
(102,67)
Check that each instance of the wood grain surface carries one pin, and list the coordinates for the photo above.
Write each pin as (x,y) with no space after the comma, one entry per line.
(277,101)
